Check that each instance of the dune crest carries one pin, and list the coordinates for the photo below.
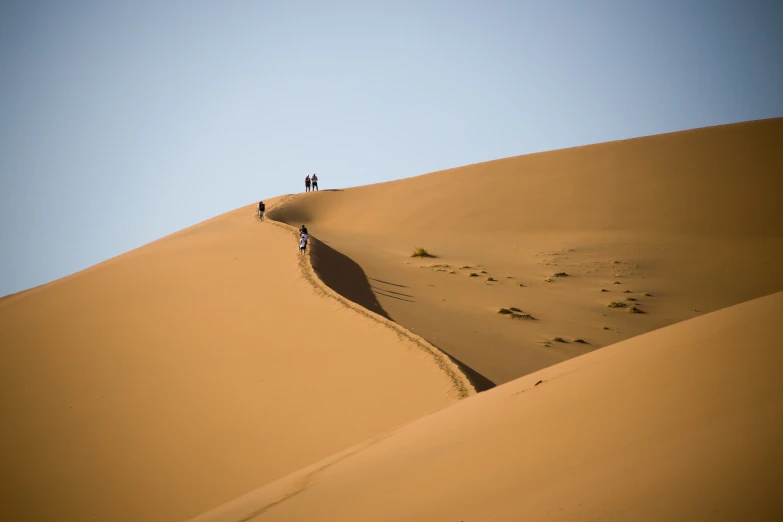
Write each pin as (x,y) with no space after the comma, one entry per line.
(677,424)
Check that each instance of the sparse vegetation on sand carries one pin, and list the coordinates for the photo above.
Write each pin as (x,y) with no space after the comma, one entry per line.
(559,340)
(617,304)
(473,274)
(606,328)
(636,310)
(581,341)
(521,284)
(490,278)
(617,283)
(465,266)
(630,299)
(421,252)
(560,274)
(549,280)
(515,313)
(604,290)
(647,294)
(627,292)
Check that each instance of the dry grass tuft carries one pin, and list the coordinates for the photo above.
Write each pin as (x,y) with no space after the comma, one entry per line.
(616,304)
(421,252)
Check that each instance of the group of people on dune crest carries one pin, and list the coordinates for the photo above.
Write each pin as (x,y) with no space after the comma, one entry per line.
(303,236)
(311,181)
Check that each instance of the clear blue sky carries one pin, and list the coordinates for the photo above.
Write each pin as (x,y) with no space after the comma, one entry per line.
(122,124)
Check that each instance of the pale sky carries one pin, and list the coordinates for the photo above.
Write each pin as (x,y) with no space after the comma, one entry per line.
(120,124)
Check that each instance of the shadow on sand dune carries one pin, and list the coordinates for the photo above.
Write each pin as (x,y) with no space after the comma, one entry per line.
(344,276)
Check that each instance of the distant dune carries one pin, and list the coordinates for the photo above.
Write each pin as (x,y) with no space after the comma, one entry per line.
(217,372)
(691,218)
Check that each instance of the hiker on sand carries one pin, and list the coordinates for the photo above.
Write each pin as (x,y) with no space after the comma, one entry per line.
(302,230)
(261,209)
(315,182)
(307,184)
(303,243)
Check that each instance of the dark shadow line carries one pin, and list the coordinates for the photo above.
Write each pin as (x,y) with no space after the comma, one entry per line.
(386,282)
(394,297)
(478,381)
(391,291)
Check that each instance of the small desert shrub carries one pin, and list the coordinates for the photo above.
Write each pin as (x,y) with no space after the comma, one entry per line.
(421,252)
(636,310)
(504,311)
(465,266)
(630,299)
(627,292)
(616,304)
(521,284)
(522,315)
(549,280)
(647,294)
(559,340)
(604,290)
(617,283)
(581,341)
(606,328)
(473,274)
(561,274)
(490,278)
(483,271)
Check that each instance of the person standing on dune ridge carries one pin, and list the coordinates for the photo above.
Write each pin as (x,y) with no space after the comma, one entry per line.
(307,183)
(261,209)
(315,182)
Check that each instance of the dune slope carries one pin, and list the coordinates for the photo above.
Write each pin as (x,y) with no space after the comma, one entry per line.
(678,424)
(675,225)
(180,375)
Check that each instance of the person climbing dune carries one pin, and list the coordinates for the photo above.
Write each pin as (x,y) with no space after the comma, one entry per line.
(302,230)
(261,210)
(303,243)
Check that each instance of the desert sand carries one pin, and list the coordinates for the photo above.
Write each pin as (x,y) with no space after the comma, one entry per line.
(178,376)
(219,375)
(683,423)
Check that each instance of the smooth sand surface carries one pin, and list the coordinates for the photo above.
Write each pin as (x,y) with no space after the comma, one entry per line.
(691,218)
(183,374)
(683,423)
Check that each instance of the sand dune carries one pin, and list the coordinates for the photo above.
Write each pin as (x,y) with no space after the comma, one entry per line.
(691,218)
(185,373)
(216,362)
(679,424)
